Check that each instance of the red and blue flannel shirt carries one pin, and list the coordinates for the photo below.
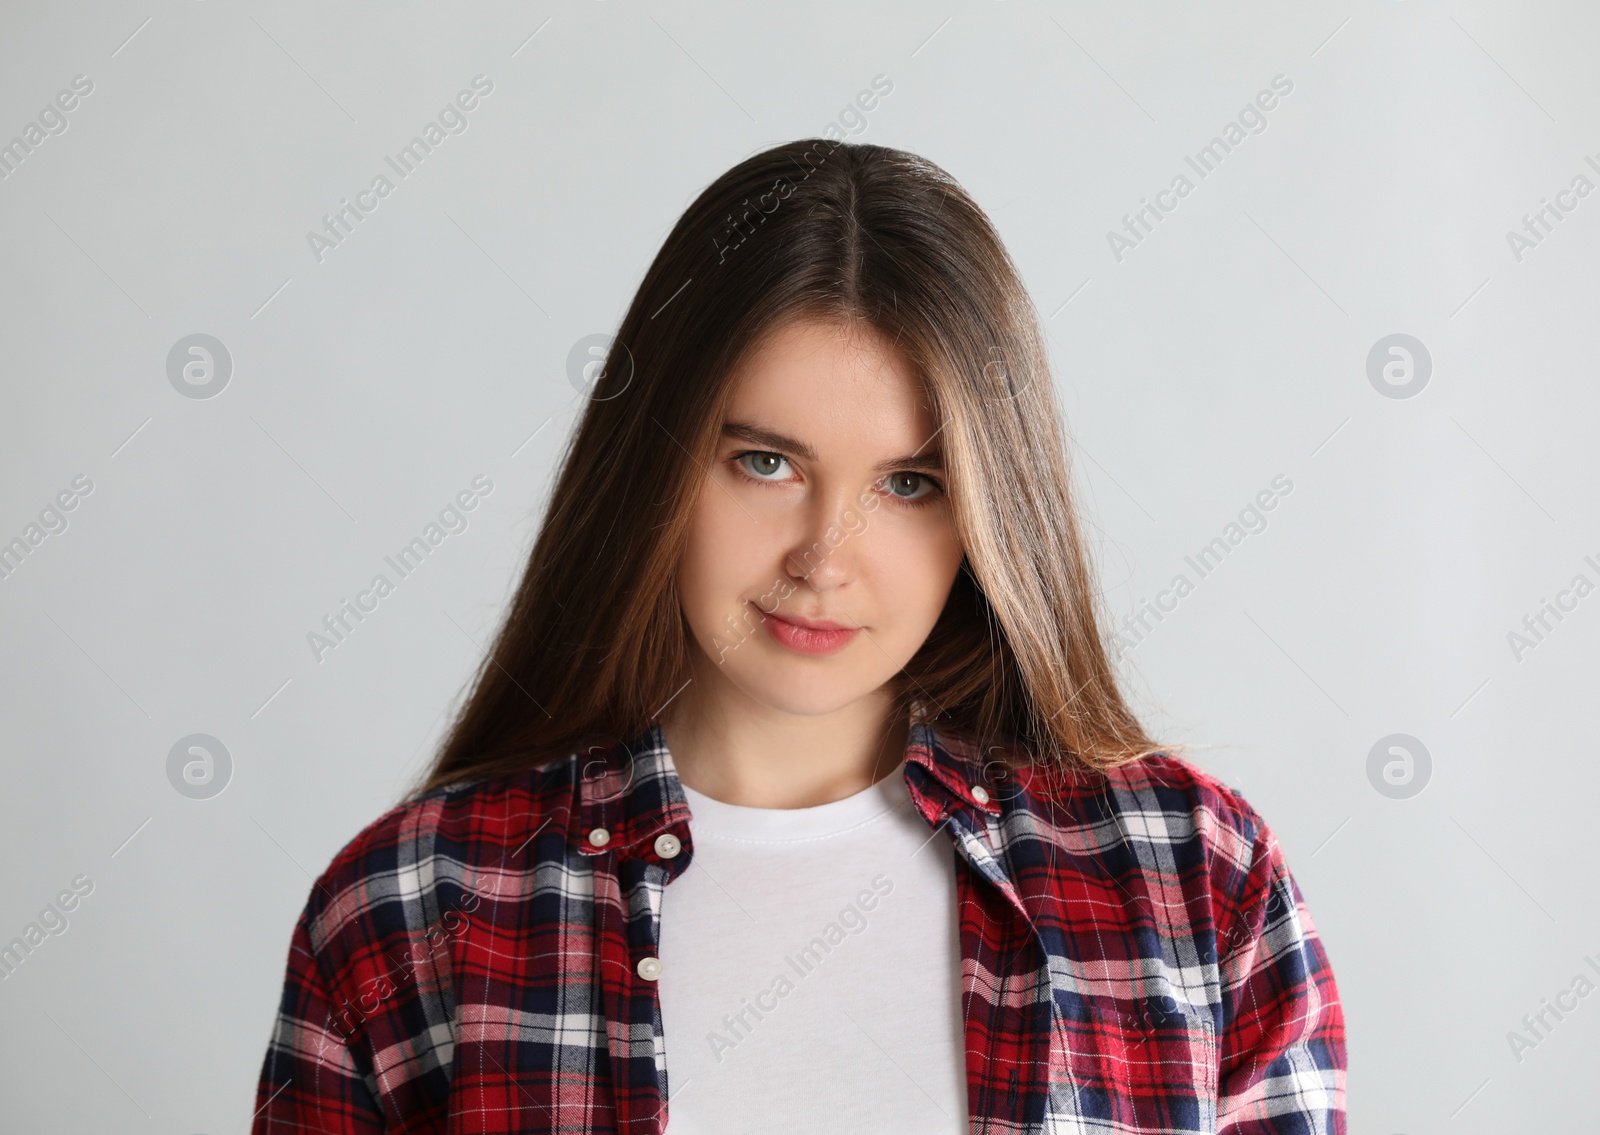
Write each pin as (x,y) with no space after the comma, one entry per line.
(1135,955)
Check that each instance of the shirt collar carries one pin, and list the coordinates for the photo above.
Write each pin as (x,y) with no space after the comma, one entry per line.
(629,792)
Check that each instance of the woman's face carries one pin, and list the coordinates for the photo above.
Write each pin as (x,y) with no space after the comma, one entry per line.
(826,504)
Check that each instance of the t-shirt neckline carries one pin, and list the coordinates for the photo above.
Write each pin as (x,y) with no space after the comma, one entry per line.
(721,820)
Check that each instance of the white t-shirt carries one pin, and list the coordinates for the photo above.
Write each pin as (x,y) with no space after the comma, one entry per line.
(811,969)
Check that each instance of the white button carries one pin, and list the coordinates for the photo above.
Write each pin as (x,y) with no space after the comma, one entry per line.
(980,793)
(599,837)
(668,845)
(649,968)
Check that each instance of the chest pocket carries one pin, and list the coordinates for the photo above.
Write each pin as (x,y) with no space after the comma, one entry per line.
(1135,1066)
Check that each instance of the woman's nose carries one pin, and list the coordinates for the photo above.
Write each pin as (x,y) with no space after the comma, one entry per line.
(825,555)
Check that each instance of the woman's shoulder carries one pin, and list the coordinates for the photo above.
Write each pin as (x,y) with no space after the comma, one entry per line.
(1157,824)
(1162,806)
(1159,795)
(1170,796)
(435,849)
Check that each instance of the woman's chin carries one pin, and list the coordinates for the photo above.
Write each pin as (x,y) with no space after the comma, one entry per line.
(806,695)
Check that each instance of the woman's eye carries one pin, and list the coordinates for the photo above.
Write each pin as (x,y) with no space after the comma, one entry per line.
(909,486)
(763,466)
(774,468)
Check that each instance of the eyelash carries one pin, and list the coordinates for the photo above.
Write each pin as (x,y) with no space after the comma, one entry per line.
(921,502)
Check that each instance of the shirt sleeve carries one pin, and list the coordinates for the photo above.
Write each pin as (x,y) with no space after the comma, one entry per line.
(1281,1058)
(317,1075)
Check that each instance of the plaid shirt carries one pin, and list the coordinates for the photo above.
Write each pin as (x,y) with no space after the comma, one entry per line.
(1135,956)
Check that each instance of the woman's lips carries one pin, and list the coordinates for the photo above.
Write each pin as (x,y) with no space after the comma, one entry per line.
(821,638)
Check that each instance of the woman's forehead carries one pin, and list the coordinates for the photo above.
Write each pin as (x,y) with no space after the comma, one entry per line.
(828,379)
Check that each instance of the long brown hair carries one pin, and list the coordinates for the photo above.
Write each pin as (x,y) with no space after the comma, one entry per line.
(595,644)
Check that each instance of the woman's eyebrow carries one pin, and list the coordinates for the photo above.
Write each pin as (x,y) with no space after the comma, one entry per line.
(930,461)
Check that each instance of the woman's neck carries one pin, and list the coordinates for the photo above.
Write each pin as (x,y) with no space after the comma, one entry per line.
(740,752)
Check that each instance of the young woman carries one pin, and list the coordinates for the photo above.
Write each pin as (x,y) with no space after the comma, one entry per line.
(796,792)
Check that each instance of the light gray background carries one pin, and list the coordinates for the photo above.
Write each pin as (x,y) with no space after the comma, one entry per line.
(368,389)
